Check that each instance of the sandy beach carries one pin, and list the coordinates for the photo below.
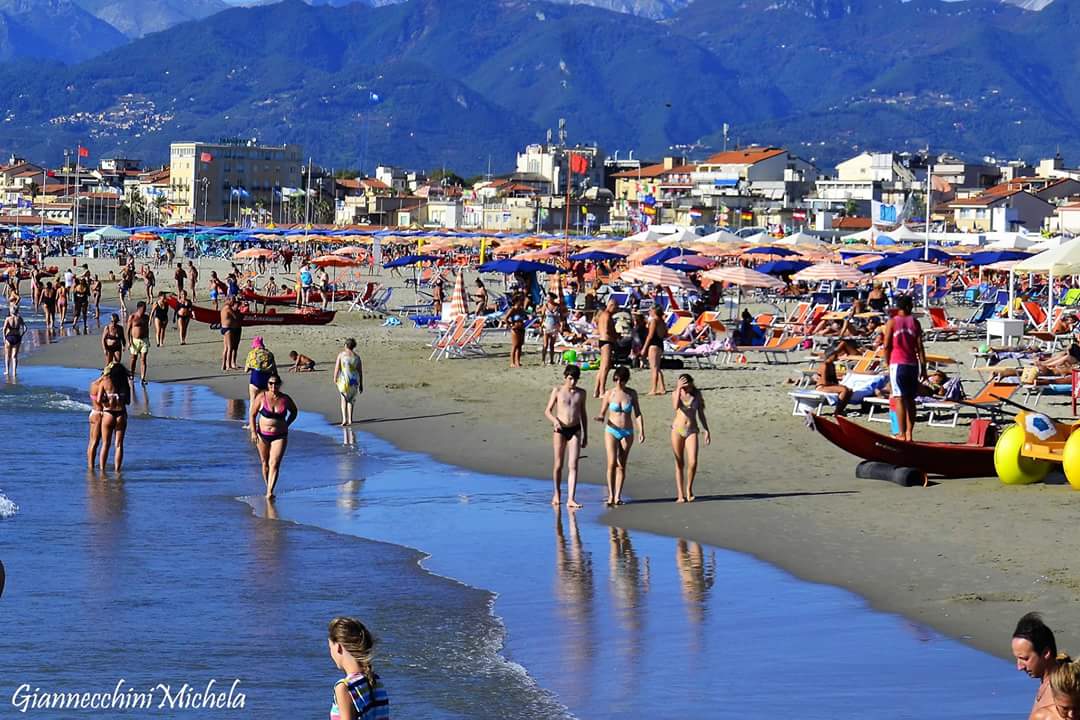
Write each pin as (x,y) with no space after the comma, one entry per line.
(966,557)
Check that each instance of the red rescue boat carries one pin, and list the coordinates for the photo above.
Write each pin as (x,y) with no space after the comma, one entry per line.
(290,298)
(305,316)
(950,460)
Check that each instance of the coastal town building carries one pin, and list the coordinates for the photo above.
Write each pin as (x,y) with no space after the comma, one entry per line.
(220,181)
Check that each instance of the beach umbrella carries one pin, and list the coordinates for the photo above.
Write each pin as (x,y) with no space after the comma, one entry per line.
(252,253)
(596,255)
(1003,266)
(459,301)
(911,269)
(829,271)
(353,250)
(743,277)
(1016,242)
(658,275)
(770,250)
(539,254)
(882,264)
(506,267)
(669,253)
(721,236)
(334,261)
(406,260)
(783,267)
(802,240)
(935,253)
(691,263)
(990,257)
(1050,243)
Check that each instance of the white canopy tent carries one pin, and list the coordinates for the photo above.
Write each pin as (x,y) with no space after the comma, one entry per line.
(801,239)
(1062,260)
(1050,243)
(1016,242)
(721,236)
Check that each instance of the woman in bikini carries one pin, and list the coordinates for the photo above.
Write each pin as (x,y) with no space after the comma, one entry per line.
(112,340)
(161,320)
(270,416)
(654,349)
(620,412)
(689,422)
(95,295)
(184,309)
(515,319)
(552,314)
(95,422)
(114,395)
(48,304)
(61,303)
(14,330)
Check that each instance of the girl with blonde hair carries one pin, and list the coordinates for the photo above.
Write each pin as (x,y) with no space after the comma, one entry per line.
(360,695)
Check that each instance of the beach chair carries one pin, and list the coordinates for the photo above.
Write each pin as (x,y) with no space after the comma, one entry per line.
(1072,298)
(470,341)
(448,336)
(380,303)
(797,316)
(1034,313)
(988,399)
(363,298)
(941,327)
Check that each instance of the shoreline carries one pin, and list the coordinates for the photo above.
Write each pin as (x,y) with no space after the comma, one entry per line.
(821,525)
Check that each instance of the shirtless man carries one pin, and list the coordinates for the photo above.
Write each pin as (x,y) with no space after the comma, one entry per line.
(218,289)
(231,328)
(180,276)
(193,278)
(605,334)
(567,413)
(138,332)
(1035,650)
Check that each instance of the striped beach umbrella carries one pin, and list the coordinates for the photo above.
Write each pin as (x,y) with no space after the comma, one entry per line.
(829,271)
(459,301)
(912,269)
(658,275)
(353,250)
(743,277)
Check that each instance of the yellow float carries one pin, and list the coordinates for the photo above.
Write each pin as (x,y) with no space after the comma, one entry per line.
(1028,450)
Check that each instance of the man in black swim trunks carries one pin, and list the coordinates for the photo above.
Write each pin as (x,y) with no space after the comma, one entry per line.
(231,328)
(14,329)
(568,416)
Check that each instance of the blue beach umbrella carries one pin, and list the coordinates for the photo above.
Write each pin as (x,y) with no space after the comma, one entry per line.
(405,260)
(507,267)
(770,250)
(918,253)
(989,257)
(596,256)
(783,267)
(885,263)
(663,256)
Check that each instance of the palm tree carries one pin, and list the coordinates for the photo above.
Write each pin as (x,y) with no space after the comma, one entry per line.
(160,203)
(136,206)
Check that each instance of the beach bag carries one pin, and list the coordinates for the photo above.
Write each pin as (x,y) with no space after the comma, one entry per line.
(954,390)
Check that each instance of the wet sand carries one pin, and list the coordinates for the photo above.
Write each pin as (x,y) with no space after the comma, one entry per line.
(966,557)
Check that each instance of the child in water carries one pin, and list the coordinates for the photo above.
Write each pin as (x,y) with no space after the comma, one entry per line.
(360,695)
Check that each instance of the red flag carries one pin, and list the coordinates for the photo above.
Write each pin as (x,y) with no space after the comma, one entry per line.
(206,157)
(579,164)
(51,173)
(83,152)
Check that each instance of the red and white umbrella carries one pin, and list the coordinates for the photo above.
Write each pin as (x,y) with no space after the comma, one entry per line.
(829,271)
(335,261)
(351,250)
(459,301)
(743,277)
(658,275)
(252,253)
(911,269)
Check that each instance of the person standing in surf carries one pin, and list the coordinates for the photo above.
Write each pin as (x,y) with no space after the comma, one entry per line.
(271,414)
(14,330)
(349,379)
(114,395)
(570,433)
(1036,653)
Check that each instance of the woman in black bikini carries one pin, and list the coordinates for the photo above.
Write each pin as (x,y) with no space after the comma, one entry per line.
(114,395)
(14,330)
(184,309)
(654,350)
(161,319)
(95,295)
(515,319)
(271,414)
(48,305)
(112,340)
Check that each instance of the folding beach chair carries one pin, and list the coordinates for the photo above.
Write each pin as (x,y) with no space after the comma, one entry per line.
(448,336)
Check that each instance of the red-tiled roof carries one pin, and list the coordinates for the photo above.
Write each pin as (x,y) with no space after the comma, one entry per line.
(986,198)
(653,171)
(851,223)
(749,156)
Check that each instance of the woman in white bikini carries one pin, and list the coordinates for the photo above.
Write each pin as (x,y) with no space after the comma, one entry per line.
(688,424)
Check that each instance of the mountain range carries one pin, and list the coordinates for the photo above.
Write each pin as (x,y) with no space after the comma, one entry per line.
(454,82)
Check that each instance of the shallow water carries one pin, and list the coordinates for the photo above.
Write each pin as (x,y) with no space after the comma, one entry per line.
(162,576)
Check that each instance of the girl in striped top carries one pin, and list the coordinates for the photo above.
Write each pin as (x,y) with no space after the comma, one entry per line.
(360,695)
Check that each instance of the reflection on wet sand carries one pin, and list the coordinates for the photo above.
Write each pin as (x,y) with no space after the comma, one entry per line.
(107,503)
(236,409)
(349,496)
(696,576)
(348,436)
(269,571)
(574,594)
(630,577)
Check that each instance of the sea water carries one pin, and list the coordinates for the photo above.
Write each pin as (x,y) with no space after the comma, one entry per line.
(487,602)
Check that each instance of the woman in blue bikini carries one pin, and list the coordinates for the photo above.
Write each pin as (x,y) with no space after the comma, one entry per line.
(271,414)
(620,413)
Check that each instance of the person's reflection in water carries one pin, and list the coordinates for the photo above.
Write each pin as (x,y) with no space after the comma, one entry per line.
(349,496)
(236,409)
(574,593)
(697,576)
(629,584)
(107,505)
(267,573)
(141,405)
(348,436)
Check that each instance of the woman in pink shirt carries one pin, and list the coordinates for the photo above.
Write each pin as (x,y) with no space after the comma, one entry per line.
(907,362)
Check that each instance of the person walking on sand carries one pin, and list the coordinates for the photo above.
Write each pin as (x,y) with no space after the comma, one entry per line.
(180,275)
(193,279)
(515,319)
(605,338)
(113,340)
(620,412)
(269,418)
(138,332)
(184,311)
(654,349)
(95,295)
(360,695)
(231,330)
(113,395)
(349,379)
(14,330)
(1065,690)
(907,363)
(218,289)
(570,433)
(1036,653)
(161,320)
(688,424)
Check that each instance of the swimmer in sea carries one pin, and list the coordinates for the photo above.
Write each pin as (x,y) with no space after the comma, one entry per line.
(570,432)
(360,695)
(620,413)
(269,418)
(689,423)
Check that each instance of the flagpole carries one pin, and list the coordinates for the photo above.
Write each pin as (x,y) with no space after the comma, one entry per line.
(926,247)
(41,212)
(307,202)
(75,211)
(566,208)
